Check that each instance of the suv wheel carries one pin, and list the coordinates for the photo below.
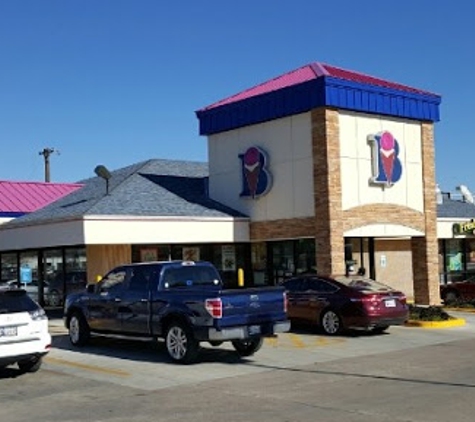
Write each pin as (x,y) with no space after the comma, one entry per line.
(79,333)
(181,346)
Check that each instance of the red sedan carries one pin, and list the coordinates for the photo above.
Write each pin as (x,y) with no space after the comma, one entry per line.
(459,290)
(338,303)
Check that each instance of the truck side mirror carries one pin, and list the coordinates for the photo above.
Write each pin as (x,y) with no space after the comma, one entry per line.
(91,288)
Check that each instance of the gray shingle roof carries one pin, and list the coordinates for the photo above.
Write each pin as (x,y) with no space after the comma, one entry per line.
(150,188)
(455,208)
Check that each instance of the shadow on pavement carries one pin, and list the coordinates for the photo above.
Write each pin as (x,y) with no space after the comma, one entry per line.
(143,351)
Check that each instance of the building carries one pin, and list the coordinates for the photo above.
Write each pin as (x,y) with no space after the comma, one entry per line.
(311,171)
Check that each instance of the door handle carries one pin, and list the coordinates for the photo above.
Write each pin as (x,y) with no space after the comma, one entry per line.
(117,299)
(144,300)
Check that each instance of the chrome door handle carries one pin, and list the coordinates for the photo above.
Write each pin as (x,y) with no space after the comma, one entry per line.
(117,299)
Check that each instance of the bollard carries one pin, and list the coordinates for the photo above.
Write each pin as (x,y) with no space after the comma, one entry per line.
(240,277)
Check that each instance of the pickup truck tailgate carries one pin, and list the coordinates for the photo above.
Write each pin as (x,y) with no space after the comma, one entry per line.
(251,306)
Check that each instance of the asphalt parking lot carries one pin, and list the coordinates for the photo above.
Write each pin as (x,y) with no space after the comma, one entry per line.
(146,366)
(409,374)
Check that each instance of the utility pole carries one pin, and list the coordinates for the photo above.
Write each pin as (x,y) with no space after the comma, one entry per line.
(46,154)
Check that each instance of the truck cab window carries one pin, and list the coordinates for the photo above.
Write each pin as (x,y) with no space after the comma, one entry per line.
(113,281)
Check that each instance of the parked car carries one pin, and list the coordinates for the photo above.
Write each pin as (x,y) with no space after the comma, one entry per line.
(30,288)
(75,281)
(458,290)
(338,303)
(182,302)
(24,336)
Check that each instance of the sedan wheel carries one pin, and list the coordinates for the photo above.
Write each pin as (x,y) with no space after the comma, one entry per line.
(451,297)
(331,322)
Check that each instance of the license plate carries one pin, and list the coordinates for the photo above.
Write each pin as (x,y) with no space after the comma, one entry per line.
(390,303)
(8,331)
(254,329)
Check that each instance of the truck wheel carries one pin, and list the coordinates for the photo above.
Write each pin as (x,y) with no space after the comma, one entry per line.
(79,333)
(248,347)
(181,346)
(30,365)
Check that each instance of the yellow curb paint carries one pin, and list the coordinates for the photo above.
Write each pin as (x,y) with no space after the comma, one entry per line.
(458,322)
(91,368)
(297,341)
(272,341)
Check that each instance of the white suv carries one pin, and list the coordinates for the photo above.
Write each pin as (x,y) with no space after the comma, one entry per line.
(24,335)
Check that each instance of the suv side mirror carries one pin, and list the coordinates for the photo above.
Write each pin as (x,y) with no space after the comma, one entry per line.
(91,288)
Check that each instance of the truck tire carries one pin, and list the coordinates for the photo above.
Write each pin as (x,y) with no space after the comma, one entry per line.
(181,345)
(30,365)
(79,333)
(247,347)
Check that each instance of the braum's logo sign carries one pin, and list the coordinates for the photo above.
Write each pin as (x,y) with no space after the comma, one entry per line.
(256,177)
(387,168)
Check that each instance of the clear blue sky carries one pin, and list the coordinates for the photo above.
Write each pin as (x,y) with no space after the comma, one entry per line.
(117,82)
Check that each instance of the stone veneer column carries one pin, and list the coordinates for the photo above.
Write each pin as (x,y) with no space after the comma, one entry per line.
(425,267)
(327,191)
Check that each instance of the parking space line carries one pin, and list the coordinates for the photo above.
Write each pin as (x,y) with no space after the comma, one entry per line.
(272,341)
(92,368)
(297,341)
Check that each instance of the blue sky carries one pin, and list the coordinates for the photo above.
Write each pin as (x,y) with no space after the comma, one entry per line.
(117,82)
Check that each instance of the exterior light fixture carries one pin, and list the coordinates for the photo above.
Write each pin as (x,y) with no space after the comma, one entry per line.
(105,174)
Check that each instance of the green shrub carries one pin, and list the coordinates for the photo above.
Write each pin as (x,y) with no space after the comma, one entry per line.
(429,313)
(461,303)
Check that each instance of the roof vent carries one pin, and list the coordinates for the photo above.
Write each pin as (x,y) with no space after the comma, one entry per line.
(466,194)
(439,196)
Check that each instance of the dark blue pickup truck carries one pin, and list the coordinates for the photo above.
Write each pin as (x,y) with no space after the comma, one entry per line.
(182,302)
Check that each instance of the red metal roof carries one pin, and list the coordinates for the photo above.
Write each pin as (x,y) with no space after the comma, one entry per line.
(307,73)
(25,197)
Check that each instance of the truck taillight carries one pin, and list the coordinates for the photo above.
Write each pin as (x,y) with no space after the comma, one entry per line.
(286,302)
(214,307)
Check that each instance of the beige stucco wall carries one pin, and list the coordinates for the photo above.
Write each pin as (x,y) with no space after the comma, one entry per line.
(356,161)
(288,144)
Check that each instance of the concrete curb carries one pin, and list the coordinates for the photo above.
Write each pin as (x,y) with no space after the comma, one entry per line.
(456,322)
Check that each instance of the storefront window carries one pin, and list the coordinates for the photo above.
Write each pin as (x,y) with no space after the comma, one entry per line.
(54,277)
(75,270)
(146,253)
(470,257)
(259,263)
(29,264)
(9,266)
(454,259)
(441,262)
(283,264)
(305,253)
